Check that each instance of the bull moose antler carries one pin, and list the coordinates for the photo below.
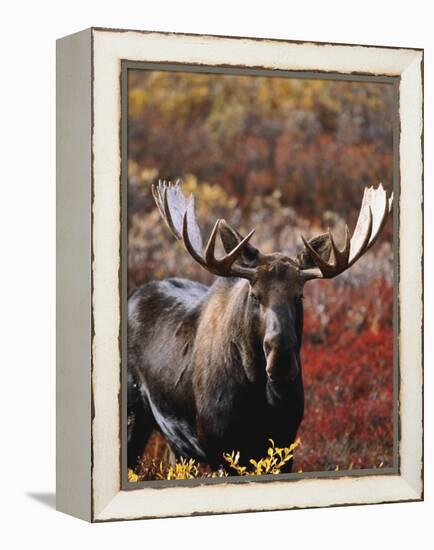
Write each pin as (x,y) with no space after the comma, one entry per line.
(373,214)
(179,214)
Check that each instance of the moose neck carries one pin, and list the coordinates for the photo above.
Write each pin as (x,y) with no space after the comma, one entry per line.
(229,328)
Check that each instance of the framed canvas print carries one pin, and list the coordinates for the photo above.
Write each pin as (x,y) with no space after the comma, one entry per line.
(239,274)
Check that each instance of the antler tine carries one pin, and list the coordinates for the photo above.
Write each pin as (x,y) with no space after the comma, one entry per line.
(372,217)
(323,266)
(157,197)
(343,255)
(210,245)
(227,263)
(390,203)
(384,210)
(232,256)
(358,250)
(168,212)
(186,239)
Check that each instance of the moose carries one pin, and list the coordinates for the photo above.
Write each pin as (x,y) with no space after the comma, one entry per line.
(218,368)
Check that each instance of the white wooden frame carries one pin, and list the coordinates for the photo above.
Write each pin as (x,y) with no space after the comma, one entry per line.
(88,264)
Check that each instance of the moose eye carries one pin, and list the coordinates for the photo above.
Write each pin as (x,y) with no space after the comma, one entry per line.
(256,300)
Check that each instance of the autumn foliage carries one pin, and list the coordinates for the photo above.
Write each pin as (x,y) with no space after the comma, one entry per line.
(284,156)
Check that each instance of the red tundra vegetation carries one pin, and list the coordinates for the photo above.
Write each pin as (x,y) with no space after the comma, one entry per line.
(348,380)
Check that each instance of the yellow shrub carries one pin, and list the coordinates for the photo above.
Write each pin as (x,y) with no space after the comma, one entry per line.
(184,468)
(132,476)
(273,463)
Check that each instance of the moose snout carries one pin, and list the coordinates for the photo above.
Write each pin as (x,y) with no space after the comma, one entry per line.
(282,361)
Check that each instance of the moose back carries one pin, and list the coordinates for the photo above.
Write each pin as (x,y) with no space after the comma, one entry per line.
(218,368)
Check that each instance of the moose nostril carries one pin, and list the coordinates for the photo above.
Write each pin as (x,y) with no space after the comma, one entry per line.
(267,347)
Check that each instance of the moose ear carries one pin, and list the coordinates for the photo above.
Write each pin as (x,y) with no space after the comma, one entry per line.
(230,238)
(322,245)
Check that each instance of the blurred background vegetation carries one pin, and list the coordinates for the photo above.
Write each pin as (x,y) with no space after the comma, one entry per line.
(284,156)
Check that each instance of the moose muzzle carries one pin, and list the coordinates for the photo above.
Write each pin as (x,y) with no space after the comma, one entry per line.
(280,344)
(282,365)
